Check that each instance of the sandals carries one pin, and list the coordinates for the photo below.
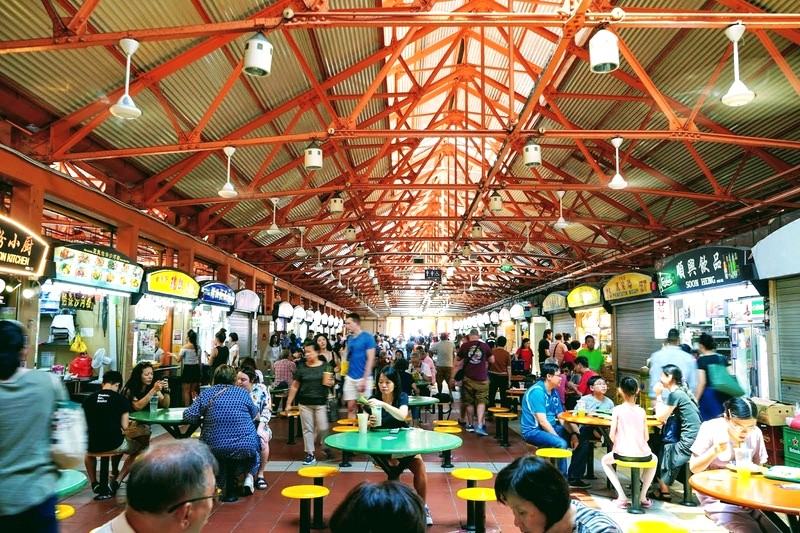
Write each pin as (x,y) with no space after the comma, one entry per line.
(646,503)
(656,494)
(261,483)
(622,503)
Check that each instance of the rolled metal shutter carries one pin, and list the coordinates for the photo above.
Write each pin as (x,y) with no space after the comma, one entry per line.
(242,325)
(787,318)
(563,323)
(634,336)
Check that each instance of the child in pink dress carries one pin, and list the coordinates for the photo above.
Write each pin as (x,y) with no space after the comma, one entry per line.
(629,435)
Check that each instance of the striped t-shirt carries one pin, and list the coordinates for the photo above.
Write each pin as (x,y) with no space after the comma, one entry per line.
(588,520)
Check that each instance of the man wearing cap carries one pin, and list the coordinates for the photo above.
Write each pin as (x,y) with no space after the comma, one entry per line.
(476,356)
(671,354)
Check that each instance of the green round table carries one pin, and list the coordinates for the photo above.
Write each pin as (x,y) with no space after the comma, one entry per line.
(69,482)
(170,419)
(419,401)
(402,446)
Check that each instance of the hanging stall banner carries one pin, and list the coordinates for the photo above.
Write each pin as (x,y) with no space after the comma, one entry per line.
(628,285)
(171,283)
(662,317)
(22,251)
(555,302)
(74,300)
(216,293)
(704,268)
(583,296)
(247,301)
(96,266)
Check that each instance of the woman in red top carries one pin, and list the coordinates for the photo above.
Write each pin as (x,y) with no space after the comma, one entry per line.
(526,354)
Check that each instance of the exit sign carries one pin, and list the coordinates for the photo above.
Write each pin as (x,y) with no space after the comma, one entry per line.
(433,273)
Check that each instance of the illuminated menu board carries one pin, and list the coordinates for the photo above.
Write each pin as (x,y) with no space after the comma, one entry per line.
(96,266)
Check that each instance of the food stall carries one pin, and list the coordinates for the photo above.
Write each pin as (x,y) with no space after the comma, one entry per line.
(210,313)
(86,293)
(242,320)
(592,317)
(556,310)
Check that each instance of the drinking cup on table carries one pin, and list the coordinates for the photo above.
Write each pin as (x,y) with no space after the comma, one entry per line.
(744,462)
(363,422)
(580,407)
(377,412)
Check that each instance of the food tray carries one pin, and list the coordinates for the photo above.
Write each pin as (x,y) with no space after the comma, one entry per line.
(754,469)
(784,473)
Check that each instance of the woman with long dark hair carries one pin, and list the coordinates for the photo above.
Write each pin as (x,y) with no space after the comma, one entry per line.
(139,389)
(192,373)
(709,400)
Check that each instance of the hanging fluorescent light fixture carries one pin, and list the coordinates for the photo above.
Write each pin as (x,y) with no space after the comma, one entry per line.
(617,182)
(257,56)
(604,52)
(350,233)
(313,157)
(561,223)
(738,94)
(125,108)
(274,229)
(227,190)
(495,202)
(477,231)
(532,154)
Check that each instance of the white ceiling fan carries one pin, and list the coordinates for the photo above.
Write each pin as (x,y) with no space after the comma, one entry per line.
(274,229)
(301,252)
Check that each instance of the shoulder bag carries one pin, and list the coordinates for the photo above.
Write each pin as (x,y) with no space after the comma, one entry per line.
(723,381)
(68,433)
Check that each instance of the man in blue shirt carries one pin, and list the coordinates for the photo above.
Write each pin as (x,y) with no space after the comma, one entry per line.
(541,406)
(672,354)
(361,358)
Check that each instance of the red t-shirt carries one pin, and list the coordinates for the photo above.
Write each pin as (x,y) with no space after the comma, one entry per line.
(526,354)
(570,355)
(583,386)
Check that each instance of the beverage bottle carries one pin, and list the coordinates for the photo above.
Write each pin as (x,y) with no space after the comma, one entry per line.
(153,403)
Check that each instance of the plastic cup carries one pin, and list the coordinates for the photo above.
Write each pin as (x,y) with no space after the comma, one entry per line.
(580,407)
(377,412)
(744,462)
(327,377)
(363,422)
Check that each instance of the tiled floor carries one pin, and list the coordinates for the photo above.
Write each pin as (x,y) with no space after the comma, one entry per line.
(269,511)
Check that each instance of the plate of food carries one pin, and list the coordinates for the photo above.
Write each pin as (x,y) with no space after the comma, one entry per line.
(754,468)
(784,473)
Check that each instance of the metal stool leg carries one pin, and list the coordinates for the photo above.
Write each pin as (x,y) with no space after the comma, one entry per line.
(318,522)
(305,516)
(446,459)
(505,443)
(688,500)
(636,504)
(590,462)
(470,509)
(480,517)
(345,459)
(105,490)
(498,432)
(230,482)
(290,441)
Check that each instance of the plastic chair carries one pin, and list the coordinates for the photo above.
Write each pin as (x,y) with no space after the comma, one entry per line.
(636,468)
(494,410)
(64,511)
(305,493)
(445,423)
(472,476)
(318,473)
(502,419)
(655,526)
(447,454)
(104,492)
(478,496)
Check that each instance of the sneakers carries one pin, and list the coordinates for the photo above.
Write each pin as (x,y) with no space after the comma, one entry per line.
(481,430)
(578,484)
(247,486)
(470,429)
(309,460)
(428,519)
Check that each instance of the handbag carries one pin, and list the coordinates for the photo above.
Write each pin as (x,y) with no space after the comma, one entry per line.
(460,373)
(672,429)
(517,367)
(68,433)
(81,366)
(721,380)
(78,346)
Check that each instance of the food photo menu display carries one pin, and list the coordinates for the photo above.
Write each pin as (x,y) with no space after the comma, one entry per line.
(96,266)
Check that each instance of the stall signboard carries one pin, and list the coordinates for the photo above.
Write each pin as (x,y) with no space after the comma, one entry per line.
(628,285)
(96,266)
(662,317)
(704,268)
(583,296)
(22,251)
(172,284)
(247,301)
(216,293)
(555,302)
(75,300)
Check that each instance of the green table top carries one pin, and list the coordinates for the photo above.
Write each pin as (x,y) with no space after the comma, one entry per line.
(162,416)
(417,401)
(69,482)
(405,442)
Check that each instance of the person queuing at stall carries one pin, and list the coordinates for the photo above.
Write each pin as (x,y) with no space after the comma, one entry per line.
(140,390)
(541,406)
(443,353)
(310,387)
(394,403)
(681,419)
(630,434)
(233,348)
(476,356)
(500,372)
(592,354)
(259,393)
(107,419)
(538,495)
(227,414)
(284,369)
(386,507)
(219,353)
(709,400)
(672,354)
(713,449)
(192,372)
(361,359)
(171,490)
(525,354)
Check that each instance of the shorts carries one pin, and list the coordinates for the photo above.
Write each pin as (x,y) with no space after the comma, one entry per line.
(192,374)
(128,446)
(475,392)
(350,390)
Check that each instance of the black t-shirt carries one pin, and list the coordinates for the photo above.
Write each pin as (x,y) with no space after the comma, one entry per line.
(104,410)
(223,353)
(311,391)
(390,422)
(544,345)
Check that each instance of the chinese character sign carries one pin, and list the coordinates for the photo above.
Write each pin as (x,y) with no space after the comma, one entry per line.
(22,251)
(703,268)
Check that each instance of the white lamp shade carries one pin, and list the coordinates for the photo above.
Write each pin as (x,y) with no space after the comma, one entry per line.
(324,319)
(477,231)
(505,314)
(309,316)
(299,314)
(125,108)
(313,157)
(617,182)
(317,315)
(517,312)
(336,204)
(350,233)
(257,56)
(495,202)
(466,251)
(285,310)
(487,319)
(360,250)
(494,317)
(532,154)
(738,95)
(604,52)
(316,326)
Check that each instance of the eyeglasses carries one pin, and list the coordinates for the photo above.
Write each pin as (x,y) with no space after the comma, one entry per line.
(737,427)
(173,508)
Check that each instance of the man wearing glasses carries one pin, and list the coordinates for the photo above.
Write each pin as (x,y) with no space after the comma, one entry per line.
(170,489)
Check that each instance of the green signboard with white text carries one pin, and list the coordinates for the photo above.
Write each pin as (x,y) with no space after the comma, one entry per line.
(704,268)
